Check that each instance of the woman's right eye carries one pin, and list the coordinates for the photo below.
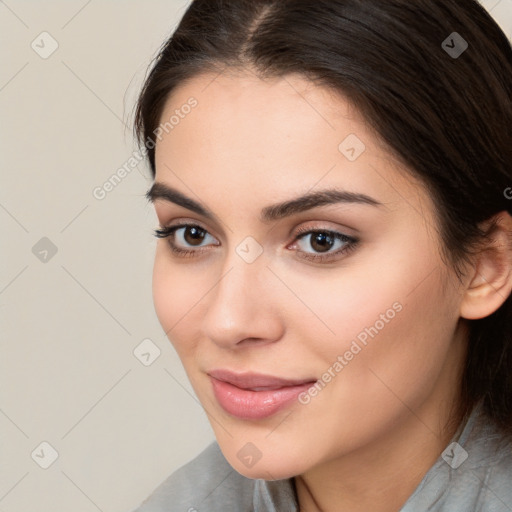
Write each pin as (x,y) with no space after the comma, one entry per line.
(185,234)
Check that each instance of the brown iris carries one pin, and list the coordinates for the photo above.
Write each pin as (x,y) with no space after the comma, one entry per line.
(322,242)
(196,235)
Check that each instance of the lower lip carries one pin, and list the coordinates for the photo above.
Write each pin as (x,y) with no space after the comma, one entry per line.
(255,405)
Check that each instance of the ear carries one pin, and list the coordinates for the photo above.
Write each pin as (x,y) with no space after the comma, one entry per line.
(490,281)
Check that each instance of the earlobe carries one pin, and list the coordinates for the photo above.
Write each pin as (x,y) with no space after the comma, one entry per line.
(491,281)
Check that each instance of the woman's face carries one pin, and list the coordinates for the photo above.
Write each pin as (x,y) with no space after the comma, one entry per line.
(349,291)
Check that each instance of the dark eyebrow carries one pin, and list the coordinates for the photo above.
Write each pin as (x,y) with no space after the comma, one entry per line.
(269,213)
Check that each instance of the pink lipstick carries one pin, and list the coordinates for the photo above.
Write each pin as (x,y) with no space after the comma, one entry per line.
(254,396)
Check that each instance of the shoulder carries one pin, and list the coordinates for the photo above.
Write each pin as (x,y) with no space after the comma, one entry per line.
(491,468)
(207,482)
(473,473)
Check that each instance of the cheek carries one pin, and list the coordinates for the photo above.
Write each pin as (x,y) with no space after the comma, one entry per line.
(336,307)
(399,361)
(372,371)
(387,315)
(174,296)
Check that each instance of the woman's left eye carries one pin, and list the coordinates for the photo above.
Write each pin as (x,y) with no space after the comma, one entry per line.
(324,241)
(183,238)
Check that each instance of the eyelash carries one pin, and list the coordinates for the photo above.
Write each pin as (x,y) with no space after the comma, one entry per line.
(350,242)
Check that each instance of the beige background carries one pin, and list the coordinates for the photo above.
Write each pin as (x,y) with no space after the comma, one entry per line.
(70,320)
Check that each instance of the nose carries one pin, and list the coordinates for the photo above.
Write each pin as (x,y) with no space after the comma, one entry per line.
(243,308)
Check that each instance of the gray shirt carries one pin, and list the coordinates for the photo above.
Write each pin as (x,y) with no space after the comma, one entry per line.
(473,474)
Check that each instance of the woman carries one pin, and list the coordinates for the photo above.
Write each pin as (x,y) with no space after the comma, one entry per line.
(334,263)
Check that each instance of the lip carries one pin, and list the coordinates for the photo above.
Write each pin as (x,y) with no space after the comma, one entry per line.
(254,395)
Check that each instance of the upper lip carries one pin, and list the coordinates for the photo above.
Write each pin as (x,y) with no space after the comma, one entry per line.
(251,380)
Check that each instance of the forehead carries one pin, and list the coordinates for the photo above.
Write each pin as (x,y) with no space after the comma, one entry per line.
(268,112)
(267,135)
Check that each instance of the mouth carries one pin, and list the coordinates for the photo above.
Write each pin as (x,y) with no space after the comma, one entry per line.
(253,396)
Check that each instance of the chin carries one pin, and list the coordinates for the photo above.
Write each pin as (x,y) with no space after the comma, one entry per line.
(274,466)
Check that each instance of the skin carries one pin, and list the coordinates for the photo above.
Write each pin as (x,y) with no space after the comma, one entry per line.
(368,438)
